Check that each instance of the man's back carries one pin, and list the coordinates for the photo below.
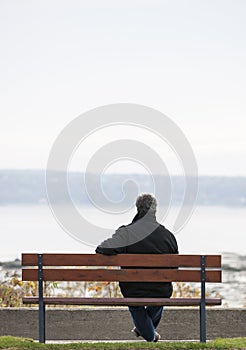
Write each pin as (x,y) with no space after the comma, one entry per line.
(158,241)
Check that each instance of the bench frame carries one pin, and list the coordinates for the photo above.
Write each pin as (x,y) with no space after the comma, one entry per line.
(39,275)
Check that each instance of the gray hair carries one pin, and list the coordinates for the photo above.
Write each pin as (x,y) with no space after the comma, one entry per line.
(146,202)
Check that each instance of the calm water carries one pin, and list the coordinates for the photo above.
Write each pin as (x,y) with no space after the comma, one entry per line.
(210,230)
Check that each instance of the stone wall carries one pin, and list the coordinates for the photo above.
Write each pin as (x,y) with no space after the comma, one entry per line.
(115,323)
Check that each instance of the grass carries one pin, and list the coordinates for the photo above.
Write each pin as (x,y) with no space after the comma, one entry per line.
(15,343)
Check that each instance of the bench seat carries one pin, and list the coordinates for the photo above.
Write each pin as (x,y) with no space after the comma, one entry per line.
(123,301)
(121,268)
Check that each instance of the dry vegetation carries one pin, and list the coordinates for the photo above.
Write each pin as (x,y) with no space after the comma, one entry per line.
(12,289)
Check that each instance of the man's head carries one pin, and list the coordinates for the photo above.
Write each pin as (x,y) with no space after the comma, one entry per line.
(146,203)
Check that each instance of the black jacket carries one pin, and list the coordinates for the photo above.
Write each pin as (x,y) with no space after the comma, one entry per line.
(143,236)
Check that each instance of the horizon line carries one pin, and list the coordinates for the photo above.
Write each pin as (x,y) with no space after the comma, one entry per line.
(120,173)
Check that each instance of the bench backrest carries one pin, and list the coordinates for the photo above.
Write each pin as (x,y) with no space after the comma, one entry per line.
(122,267)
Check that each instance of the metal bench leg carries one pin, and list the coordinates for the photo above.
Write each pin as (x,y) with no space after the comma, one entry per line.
(41,310)
(203,301)
(41,323)
(202,323)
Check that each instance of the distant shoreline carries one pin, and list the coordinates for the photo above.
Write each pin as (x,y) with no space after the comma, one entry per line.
(23,187)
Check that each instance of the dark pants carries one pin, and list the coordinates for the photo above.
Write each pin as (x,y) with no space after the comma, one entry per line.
(146,319)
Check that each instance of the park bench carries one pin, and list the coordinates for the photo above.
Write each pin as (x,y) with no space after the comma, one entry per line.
(138,268)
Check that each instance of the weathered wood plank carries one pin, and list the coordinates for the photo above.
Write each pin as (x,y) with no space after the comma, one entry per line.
(144,260)
(122,301)
(123,275)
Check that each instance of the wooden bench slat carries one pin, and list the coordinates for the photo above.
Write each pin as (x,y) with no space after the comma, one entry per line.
(124,275)
(122,301)
(157,260)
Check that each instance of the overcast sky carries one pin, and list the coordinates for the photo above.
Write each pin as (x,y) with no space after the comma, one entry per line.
(186,58)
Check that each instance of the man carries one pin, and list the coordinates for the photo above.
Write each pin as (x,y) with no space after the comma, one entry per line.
(143,236)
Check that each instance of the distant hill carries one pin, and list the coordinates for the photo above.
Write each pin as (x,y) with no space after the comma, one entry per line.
(28,187)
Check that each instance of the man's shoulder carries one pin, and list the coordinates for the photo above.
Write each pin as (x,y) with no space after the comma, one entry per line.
(161,226)
(121,229)
(164,229)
